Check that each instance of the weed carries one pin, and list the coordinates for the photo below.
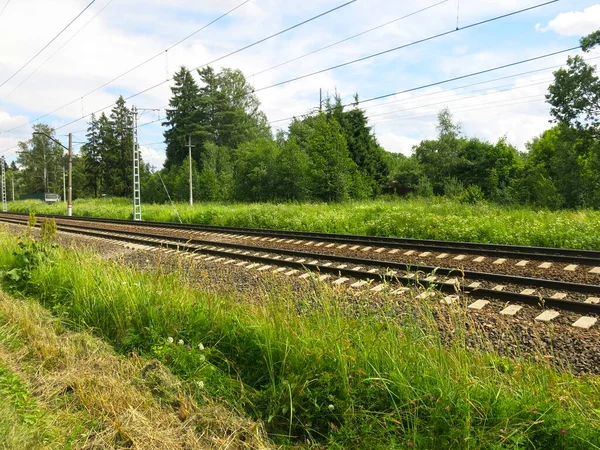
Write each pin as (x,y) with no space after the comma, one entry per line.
(431,218)
(341,380)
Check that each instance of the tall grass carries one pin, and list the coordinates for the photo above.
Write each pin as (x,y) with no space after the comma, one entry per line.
(323,375)
(416,218)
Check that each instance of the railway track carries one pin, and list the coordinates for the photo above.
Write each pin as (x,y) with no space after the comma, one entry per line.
(571,256)
(375,274)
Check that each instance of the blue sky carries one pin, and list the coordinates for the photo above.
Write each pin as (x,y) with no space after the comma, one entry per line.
(115,35)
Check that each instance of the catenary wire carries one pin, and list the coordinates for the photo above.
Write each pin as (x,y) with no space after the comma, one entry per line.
(461,77)
(333,67)
(5,5)
(58,50)
(475,84)
(436,36)
(414,88)
(48,44)
(166,81)
(348,38)
(130,70)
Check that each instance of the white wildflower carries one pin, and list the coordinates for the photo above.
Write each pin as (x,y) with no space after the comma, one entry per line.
(200,384)
(180,342)
(331,407)
(124,282)
(202,358)
(200,346)
(170,340)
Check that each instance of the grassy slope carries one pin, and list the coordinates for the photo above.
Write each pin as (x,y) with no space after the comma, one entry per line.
(367,383)
(426,219)
(61,389)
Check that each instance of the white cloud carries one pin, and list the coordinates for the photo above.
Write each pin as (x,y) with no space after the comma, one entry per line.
(154,157)
(127,33)
(398,144)
(574,23)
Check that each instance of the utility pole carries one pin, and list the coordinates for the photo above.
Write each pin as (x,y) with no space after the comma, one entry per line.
(137,195)
(320,100)
(4,203)
(64,185)
(137,199)
(12,180)
(190,158)
(70,175)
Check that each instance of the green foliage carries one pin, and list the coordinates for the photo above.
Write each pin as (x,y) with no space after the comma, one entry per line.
(48,230)
(562,169)
(575,93)
(41,161)
(30,254)
(22,425)
(453,188)
(431,218)
(323,376)
(223,112)
(590,41)
(472,195)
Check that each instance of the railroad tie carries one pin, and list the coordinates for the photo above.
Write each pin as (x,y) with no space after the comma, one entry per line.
(585,322)
(478,305)
(547,316)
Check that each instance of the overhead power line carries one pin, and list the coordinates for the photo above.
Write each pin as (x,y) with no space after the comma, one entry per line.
(434,93)
(417,87)
(48,44)
(475,84)
(459,99)
(461,77)
(5,5)
(164,51)
(483,106)
(349,38)
(436,36)
(130,70)
(329,68)
(58,50)
(166,81)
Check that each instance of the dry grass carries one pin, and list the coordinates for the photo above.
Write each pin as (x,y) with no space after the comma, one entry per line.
(116,402)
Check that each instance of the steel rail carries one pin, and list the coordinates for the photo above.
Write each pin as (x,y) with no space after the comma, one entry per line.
(583,257)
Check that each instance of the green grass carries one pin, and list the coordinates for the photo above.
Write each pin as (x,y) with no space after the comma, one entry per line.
(321,375)
(23,425)
(420,218)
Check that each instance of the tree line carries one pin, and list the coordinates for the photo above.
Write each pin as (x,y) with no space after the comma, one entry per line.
(331,153)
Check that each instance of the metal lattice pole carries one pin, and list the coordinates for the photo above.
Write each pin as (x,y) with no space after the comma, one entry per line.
(137,199)
(4,202)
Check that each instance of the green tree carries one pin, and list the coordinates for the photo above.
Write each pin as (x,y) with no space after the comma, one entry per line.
(116,137)
(181,113)
(570,159)
(228,112)
(331,170)
(41,161)
(91,155)
(362,144)
(575,93)
(216,174)
(440,158)
(255,167)
(292,172)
